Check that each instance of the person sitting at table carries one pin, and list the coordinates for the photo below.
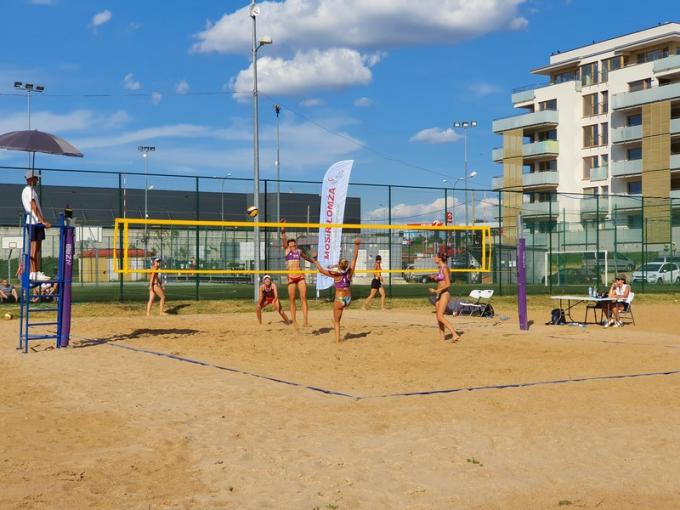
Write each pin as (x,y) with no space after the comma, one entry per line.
(618,292)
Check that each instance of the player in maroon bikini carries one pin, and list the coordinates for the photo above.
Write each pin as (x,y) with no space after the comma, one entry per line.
(296,279)
(269,295)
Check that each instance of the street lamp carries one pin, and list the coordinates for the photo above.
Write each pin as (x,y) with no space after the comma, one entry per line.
(465,125)
(29,88)
(254,12)
(145,150)
(277,109)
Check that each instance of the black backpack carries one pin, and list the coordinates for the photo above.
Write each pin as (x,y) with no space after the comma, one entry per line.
(557,317)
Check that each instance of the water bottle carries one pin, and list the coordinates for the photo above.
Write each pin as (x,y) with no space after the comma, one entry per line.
(590,292)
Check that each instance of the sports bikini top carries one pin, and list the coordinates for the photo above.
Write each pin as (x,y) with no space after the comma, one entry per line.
(293,255)
(440,276)
(345,280)
(268,292)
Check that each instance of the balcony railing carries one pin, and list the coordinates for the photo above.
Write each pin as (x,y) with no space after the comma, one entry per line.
(545,117)
(540,208)
(529,150)
(599,173)
(640,97)
(626,134)
(624,167)
(497,182)
(667,64)
(527,93)
(547,178)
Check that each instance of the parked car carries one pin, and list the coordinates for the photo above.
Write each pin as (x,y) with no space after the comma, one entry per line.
(571,275)
(657,272)
(616,262)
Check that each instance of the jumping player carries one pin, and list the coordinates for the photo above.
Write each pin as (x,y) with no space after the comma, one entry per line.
(343,279)
(443,280)
(296,279)
(155,287)
(376,284)
(269,295)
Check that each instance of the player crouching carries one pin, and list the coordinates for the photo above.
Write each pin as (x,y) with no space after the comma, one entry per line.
(269,295)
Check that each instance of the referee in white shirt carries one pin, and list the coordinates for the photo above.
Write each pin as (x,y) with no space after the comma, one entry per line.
(35,220)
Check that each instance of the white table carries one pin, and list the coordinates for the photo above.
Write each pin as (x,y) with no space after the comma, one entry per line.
(573,301)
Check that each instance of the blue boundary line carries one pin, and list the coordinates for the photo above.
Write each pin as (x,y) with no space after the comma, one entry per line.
(405,394)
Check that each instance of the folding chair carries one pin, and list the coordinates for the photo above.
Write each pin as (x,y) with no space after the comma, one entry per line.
(482,300)
(628,309)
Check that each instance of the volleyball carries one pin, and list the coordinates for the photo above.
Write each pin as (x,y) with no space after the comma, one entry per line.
(8,316)
(252,211)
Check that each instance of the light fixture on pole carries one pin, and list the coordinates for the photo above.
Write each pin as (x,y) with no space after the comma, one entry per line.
(145,150)
(254,11)
(465,125)
(277,110)
(29,88)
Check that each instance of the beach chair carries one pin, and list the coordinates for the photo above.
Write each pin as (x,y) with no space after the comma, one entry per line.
(479,300)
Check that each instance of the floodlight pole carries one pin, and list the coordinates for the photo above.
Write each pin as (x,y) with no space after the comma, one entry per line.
(29,88)
(254,11)
(465,125)
(277,109)
(145,150)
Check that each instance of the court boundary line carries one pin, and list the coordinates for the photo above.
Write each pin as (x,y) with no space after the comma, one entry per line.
(445,391)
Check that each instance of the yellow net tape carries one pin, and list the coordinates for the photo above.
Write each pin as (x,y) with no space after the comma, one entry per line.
(123,245)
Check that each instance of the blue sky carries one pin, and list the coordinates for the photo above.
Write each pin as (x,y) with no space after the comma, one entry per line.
(356,79)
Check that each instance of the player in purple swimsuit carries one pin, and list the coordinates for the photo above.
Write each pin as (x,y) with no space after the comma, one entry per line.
(443,280)
(296,279)
(343,279)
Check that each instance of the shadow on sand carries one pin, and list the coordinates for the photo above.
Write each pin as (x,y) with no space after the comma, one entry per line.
(137,333)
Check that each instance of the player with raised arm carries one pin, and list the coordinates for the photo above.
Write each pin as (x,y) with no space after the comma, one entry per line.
(343,279)
(296,278)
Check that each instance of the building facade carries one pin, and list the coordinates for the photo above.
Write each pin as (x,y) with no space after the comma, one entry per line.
(600,135)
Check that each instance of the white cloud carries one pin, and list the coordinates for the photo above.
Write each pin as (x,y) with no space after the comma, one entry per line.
(436,135)
(423,212)
(117,119)
(130,83)
(101,18)
(141,135)
(518,23)
(311,102)
(360,24)
(484,89)
(363,102)
(156,97)
(182,87)
(77,120)
(311,70)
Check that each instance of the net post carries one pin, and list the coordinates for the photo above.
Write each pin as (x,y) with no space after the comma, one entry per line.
(117,261)
(521,278)
(389,234)
(197,295)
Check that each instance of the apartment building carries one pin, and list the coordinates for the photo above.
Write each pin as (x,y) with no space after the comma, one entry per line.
(605,125)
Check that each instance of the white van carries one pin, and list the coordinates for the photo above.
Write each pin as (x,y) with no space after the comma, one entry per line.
(658,272)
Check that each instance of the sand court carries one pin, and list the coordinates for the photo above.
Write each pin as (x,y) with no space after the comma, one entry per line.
(123,420)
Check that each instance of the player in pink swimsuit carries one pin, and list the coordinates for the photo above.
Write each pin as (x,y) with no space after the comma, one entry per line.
(443,280)
(343,280)
(296,279)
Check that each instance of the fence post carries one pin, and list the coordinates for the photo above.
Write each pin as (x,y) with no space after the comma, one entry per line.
(597,239)
(198,240)
(265,230)
(643,246)
(616,239)
(120,240)
(499,257)
(549,269)
(389,235)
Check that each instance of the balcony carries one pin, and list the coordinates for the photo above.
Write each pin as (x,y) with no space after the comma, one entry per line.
(622,202)
(640,97)
(523,96)
(528,93)
(599,173)
(535,179)
(590,205)
(526,120)
(497,183)
(626,167)
(675,161)
(540,208)
(626,134)
(667,64)
(531,150)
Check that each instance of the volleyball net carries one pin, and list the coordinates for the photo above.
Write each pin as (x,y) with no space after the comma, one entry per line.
(191,248)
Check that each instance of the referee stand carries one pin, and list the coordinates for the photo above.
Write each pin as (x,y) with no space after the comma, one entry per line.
(56,312)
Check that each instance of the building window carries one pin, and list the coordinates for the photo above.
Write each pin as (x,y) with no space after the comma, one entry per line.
(604,132)
(611,64)
(548,105)
(675,147)
(635,187)
(604,104)
(590,105)
(651,55)
(565,76)
(604,160)
(634,222)
(588,164)
(590,192)
(634,154)
(547,135)
(634,86)
(547,166)
(634,120)
(590,135)
(589,74)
